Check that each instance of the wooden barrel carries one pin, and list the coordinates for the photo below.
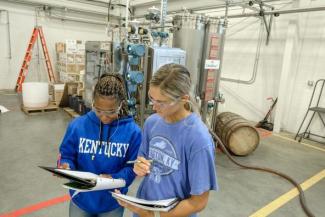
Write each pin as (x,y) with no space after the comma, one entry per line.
(238,135)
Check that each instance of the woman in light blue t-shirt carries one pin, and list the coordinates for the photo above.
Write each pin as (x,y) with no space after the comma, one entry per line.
(180,146)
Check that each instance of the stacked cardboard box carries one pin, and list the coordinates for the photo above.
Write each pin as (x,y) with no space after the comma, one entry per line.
(70,60)
(71,63)
(56,92)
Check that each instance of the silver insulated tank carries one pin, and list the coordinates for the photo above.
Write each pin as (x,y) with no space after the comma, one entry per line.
(188,35)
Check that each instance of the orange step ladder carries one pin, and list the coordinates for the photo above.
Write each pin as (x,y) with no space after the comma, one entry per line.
(28,56)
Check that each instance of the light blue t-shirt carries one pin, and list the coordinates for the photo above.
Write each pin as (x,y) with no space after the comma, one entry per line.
(183,159)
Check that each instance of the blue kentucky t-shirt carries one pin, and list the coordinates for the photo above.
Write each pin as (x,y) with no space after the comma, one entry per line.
(88,146)
(183,159)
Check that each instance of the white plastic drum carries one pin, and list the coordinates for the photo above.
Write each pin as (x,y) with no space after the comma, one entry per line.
(35,94)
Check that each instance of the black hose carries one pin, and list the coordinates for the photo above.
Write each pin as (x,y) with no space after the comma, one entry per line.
(264,169)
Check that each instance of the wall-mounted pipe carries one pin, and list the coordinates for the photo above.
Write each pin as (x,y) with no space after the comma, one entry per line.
(92,2)
(70,6)
(76,19)
(279,12)
(256,62)
(8,32)
(53,15)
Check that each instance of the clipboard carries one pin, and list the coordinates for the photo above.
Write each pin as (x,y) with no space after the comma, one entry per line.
(69,174)
(81,181)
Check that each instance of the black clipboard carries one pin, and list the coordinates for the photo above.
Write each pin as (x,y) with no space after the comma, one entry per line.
(87,183)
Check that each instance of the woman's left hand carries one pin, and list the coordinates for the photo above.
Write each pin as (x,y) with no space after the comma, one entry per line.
(106,176)
(134,209)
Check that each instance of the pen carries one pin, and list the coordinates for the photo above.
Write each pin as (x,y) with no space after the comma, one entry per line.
(137,161)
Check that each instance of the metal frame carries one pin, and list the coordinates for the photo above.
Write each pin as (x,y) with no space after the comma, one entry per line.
(177,6)
(315,109)
(279,12)
(256,62)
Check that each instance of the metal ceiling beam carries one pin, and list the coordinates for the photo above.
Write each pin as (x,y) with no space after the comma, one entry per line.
(66,5)
(92,2)
(74,19)
(149,3)
(279,12)
(104,3)
(176,6)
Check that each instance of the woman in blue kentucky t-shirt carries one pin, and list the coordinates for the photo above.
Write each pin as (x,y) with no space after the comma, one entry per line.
(101,142)
(180,146)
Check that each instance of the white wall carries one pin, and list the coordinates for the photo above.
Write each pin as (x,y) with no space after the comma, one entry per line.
(22,20)
(247,100)
(307,64)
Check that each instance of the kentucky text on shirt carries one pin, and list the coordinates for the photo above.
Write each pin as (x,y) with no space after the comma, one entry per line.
(112,149)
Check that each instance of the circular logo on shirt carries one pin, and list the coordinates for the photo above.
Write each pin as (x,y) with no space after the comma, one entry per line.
(164,155)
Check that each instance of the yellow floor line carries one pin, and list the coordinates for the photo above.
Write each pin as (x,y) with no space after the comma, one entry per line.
(305,144)
(280,201)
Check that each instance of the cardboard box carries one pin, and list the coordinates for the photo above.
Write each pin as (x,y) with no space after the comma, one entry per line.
(71,46)
(79,68)
(79,59)
(75,46)
(70,59)
(58,94)
(80,92)
(69,77)
(59,86)
(72,88)
(71,68)
(62,57)
(60,47)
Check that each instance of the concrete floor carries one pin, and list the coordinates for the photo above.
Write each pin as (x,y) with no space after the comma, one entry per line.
(29,141)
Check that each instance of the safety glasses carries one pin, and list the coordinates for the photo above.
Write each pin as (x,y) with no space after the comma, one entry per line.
(162,104)
(107,112)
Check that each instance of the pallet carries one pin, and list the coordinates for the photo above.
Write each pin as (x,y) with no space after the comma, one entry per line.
(50,108)
(71,112)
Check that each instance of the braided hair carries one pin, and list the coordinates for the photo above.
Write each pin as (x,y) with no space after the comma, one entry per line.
(112,85)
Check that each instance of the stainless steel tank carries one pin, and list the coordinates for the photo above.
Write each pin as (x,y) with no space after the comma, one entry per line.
(189,31)
(209,79)
(211,51)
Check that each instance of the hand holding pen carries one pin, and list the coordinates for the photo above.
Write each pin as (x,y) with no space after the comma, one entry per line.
(142,166)
(137,161)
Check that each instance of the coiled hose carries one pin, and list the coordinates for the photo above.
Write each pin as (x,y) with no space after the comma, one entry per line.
(263,169)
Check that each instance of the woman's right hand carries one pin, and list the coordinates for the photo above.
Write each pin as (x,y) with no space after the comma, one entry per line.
(65,166)
(142,168)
